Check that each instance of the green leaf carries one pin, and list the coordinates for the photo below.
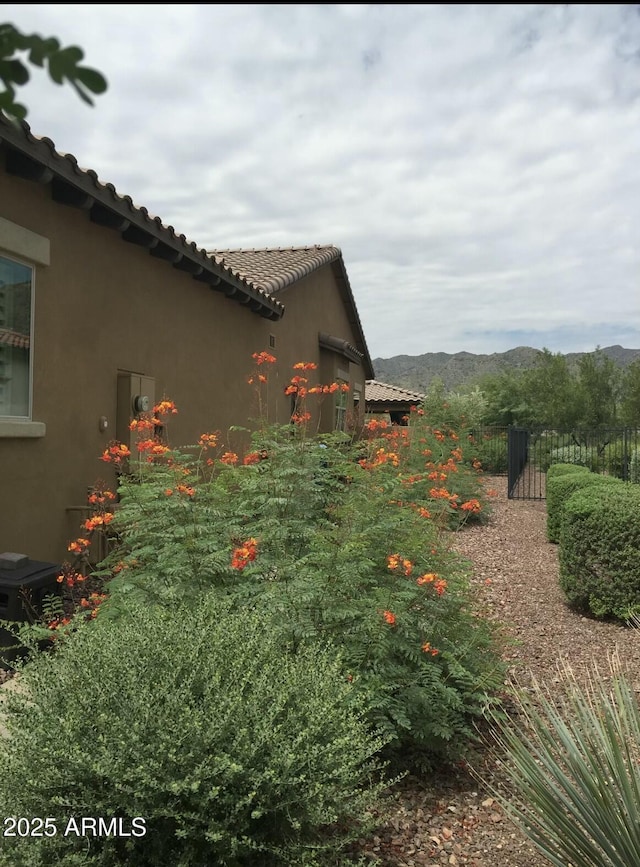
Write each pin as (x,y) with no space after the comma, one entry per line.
(13,71)
(92,79)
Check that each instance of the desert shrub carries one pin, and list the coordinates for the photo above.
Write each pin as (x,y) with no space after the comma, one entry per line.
(572,757)
(561,487)
(202,722)
(600,550)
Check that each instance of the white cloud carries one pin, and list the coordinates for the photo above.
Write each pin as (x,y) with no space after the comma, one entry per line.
(477,165)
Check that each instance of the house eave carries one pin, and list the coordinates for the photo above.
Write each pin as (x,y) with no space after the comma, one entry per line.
(36,160)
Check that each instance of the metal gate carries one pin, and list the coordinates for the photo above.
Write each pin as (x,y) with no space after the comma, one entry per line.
(530,453)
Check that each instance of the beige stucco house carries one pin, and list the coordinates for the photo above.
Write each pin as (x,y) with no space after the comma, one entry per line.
(102,304)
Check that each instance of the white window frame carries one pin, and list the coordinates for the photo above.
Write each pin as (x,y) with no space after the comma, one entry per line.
(27,248)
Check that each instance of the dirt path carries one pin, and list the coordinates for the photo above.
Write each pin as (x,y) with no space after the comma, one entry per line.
(452,821)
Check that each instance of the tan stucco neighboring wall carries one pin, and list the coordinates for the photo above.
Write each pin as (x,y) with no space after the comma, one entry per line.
(102,306)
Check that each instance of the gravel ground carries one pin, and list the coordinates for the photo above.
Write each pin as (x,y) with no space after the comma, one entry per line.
(453,820)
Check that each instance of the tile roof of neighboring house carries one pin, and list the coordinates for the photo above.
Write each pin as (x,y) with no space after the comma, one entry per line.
(14,338)
(381,392)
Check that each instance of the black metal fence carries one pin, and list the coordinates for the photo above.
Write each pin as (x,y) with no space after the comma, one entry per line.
(530,453)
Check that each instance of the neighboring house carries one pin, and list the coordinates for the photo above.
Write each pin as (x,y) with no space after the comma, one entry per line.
(391,400)
(101,304)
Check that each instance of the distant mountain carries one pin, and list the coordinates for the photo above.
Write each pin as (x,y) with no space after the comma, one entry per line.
(415,372)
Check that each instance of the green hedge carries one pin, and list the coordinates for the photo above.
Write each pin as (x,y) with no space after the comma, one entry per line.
(232,750)
(600,550)
(561,485)
(565,470)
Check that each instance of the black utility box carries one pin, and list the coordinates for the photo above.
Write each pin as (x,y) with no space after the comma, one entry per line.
(23,585)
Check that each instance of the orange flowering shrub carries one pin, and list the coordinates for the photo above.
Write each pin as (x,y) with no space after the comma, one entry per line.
(432,461)
(341,541)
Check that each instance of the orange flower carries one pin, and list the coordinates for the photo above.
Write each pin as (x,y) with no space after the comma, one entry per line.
(263,358)
(98,498)
(396,563)
(165,407)
(440,586)
(251,458)
(439,493)
(244,554)
(115,453)
(98,521)
(305,365)
(142,423)
(229,458)
(186,489)
(79,546)
(390,617)
(208,440)
(471,506)
(301,417)
(428,649)
(424,513)
(427,578)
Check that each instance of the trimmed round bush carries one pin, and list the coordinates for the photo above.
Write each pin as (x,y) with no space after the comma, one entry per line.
(561,486)
(231,750)
(600,550)
(565,470)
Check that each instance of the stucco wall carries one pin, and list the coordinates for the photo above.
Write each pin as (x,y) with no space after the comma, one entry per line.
(102,306)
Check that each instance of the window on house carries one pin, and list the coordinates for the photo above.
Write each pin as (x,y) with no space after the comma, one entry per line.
(341,406)
(16,284)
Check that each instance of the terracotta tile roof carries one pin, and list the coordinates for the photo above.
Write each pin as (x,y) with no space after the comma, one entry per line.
(272,269)
(382,392)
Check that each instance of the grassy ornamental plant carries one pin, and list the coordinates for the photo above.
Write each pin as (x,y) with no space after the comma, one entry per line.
(200,723)
(573,759)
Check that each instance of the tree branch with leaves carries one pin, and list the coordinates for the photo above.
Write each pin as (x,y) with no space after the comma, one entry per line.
(18,50)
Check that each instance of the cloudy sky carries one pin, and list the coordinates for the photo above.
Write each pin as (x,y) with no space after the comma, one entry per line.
(479,166)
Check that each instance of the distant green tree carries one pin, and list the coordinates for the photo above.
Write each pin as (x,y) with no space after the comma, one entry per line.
(506,400)
(630,396)
(599,389)
(552,392)
(62,64)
